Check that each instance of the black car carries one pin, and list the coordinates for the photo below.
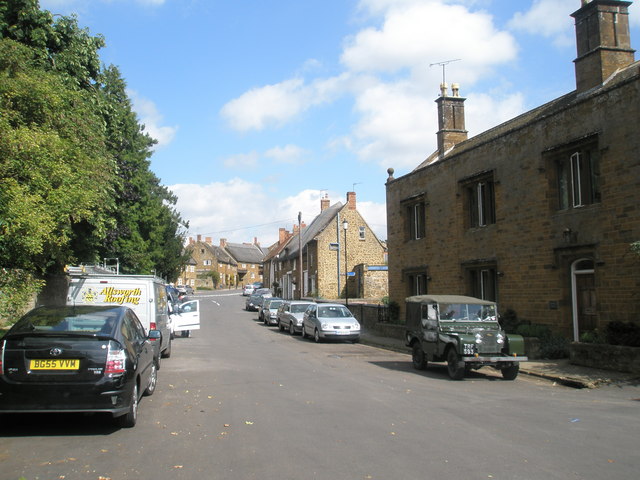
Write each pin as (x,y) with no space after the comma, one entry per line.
(78,359)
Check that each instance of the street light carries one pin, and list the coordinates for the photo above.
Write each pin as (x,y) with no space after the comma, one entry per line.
(345,225)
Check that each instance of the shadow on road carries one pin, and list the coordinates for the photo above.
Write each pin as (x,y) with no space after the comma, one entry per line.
(56,424)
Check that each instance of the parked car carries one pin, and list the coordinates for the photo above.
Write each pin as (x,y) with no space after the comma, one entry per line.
(181,289)
(462,331)
(262,291)
(189,289)
(254,302)
(290,315)
(82,358)
(323,321)
(247,290)
(268,312)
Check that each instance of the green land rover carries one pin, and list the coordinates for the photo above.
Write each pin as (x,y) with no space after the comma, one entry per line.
(462,331)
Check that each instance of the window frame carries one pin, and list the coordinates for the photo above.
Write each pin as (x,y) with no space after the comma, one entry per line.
(480,199)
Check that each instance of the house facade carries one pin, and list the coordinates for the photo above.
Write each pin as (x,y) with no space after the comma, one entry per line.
(249,258)
(324,253)
(537,213)
(208,258)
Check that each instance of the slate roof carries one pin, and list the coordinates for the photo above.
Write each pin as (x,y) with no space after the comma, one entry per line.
(540,113)
(245,253)
(311,231)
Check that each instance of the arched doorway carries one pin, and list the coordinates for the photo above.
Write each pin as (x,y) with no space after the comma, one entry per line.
(583,292)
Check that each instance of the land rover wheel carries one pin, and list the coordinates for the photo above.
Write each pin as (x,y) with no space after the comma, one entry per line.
(456,372)
(417,356)
(511,372)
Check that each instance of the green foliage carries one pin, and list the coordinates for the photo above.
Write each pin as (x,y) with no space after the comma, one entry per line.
(534,330)
(17,289)
(554,347)
(213,275)
(635,248)
(75,179)
(593,336)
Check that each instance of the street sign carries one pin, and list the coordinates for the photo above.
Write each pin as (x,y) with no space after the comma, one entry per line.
(349,274)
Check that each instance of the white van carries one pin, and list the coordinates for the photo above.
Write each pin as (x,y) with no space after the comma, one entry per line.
(144,294)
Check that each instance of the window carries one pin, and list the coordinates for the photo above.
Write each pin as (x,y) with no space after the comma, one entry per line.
(416,281)
(481,203)
(361,231)
(206,262)
(578,179)
(415,220)
(482,282)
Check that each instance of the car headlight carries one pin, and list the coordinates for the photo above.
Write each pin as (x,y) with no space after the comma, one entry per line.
(500,338)
(324,326)
(355,326)
(478,338)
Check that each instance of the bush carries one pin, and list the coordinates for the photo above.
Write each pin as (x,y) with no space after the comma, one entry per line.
(510,322)
(534,330)
(554,347)
(624,334)
(593,336)
(17,290)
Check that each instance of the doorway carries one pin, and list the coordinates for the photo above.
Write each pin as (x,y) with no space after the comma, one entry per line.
(583,291)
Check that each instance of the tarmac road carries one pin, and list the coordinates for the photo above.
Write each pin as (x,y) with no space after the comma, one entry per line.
(239,400)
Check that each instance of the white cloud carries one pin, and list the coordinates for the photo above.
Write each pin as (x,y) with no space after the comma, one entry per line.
(634,14)
(275,105)
(151,118)
(427,32)
(543,19)
(291,154)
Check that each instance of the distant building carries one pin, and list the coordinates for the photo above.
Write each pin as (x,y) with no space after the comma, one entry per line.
(537,213)
(328,258)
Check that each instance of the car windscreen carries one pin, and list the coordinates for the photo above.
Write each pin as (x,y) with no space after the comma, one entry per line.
(90,320)
(467,312)
(299,308)
(334,312)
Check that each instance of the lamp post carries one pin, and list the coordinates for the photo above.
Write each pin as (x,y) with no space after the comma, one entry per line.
(345,225)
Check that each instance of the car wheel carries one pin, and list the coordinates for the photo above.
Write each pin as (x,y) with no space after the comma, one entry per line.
(455,371)
(153,380)
(302,332)
(292,329)
(511,372)
(130,418)
(167,351)
(316,336)
(418,357)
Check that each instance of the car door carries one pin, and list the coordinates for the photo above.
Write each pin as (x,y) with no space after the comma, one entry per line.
(140,348)
(187,316)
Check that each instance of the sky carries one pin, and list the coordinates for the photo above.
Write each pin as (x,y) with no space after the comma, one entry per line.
(262,107)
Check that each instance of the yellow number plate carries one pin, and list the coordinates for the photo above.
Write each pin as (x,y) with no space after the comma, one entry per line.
(57,364)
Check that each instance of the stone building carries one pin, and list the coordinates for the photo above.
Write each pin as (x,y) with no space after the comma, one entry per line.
(248,257)
(208,258)
(537,213)
(328,253)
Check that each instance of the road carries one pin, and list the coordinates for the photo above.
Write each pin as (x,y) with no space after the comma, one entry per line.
(239,400)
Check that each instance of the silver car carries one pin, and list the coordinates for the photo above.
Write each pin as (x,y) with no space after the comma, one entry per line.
(268,312)
(330,320)
(290,315)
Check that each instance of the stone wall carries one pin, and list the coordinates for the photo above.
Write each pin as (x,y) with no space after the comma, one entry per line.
(607,357)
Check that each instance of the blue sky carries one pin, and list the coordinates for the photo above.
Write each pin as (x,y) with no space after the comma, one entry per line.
(261,107)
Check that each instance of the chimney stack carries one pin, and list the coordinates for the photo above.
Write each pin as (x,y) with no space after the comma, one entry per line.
(199,237)
(351,200)
(603,41)
(450,118)
(223,242)
(324,203)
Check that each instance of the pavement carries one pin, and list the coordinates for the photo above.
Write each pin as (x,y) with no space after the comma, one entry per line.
(560,371)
